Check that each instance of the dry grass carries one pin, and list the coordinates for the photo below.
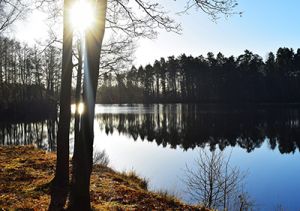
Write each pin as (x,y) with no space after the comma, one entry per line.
(25,173)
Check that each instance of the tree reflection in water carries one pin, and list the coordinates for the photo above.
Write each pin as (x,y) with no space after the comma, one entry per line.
(41,133)
(177,125)
(190,126)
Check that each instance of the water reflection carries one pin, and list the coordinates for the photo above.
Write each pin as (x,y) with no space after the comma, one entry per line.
(190,126)
(175,125)
(79,108)
(273,179)
(39,129)
(41,133)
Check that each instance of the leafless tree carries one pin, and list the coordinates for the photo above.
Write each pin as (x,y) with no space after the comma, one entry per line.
(61,180)
(214,8)
(10,11)
(213,182)
(101,158)
(14,10)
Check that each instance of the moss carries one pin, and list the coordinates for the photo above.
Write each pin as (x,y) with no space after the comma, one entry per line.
(26,172)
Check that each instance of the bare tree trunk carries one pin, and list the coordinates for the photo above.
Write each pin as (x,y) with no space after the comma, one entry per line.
(1,59)
(77,114)
(1,78)
(61,180)
(77,99)
(83,159)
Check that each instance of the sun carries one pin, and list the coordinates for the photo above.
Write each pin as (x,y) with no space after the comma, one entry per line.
(82,15)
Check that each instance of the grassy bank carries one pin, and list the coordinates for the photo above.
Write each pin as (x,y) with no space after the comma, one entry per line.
(25,173)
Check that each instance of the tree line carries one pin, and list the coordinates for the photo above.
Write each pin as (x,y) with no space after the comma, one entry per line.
(212,79)
(24,65)
(29,80)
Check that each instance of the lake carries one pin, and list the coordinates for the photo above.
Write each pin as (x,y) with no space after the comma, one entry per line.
(158,142)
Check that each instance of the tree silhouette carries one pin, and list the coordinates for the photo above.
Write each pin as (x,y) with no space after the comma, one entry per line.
(60,183)
(246,79)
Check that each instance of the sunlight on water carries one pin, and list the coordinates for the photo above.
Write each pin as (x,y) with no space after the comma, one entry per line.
(125,109)
(80,108)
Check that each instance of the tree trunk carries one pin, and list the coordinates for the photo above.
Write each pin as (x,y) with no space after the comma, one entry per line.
(1,58)
(77,101)
(60,182)
(1,78)
(77,114)
(157,88)
(83,157)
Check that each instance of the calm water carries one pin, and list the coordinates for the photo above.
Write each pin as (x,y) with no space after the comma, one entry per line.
(158,141)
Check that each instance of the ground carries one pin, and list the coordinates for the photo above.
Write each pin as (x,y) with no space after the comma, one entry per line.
(26,172)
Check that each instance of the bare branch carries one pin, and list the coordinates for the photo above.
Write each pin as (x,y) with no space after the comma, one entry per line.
(213,8)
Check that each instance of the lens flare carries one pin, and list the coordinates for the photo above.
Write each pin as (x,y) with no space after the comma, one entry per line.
(82,15)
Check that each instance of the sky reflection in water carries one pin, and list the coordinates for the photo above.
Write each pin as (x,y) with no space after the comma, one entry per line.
(273,178)
(157,141)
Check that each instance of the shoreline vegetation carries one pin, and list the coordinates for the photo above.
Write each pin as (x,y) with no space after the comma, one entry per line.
(26,172)
(15,105)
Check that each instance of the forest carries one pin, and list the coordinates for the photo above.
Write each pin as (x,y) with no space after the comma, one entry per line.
(247,78)
(24,65)
(29,80)
(212,79)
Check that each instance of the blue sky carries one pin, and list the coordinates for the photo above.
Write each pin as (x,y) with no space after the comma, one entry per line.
(264,26)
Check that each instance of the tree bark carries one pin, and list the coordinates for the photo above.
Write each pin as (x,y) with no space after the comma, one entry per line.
(59,190)
(83,157)
(77,114)
(77,101)
(1,58)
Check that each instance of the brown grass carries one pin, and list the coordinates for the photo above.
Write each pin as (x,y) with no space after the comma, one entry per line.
(25,173)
